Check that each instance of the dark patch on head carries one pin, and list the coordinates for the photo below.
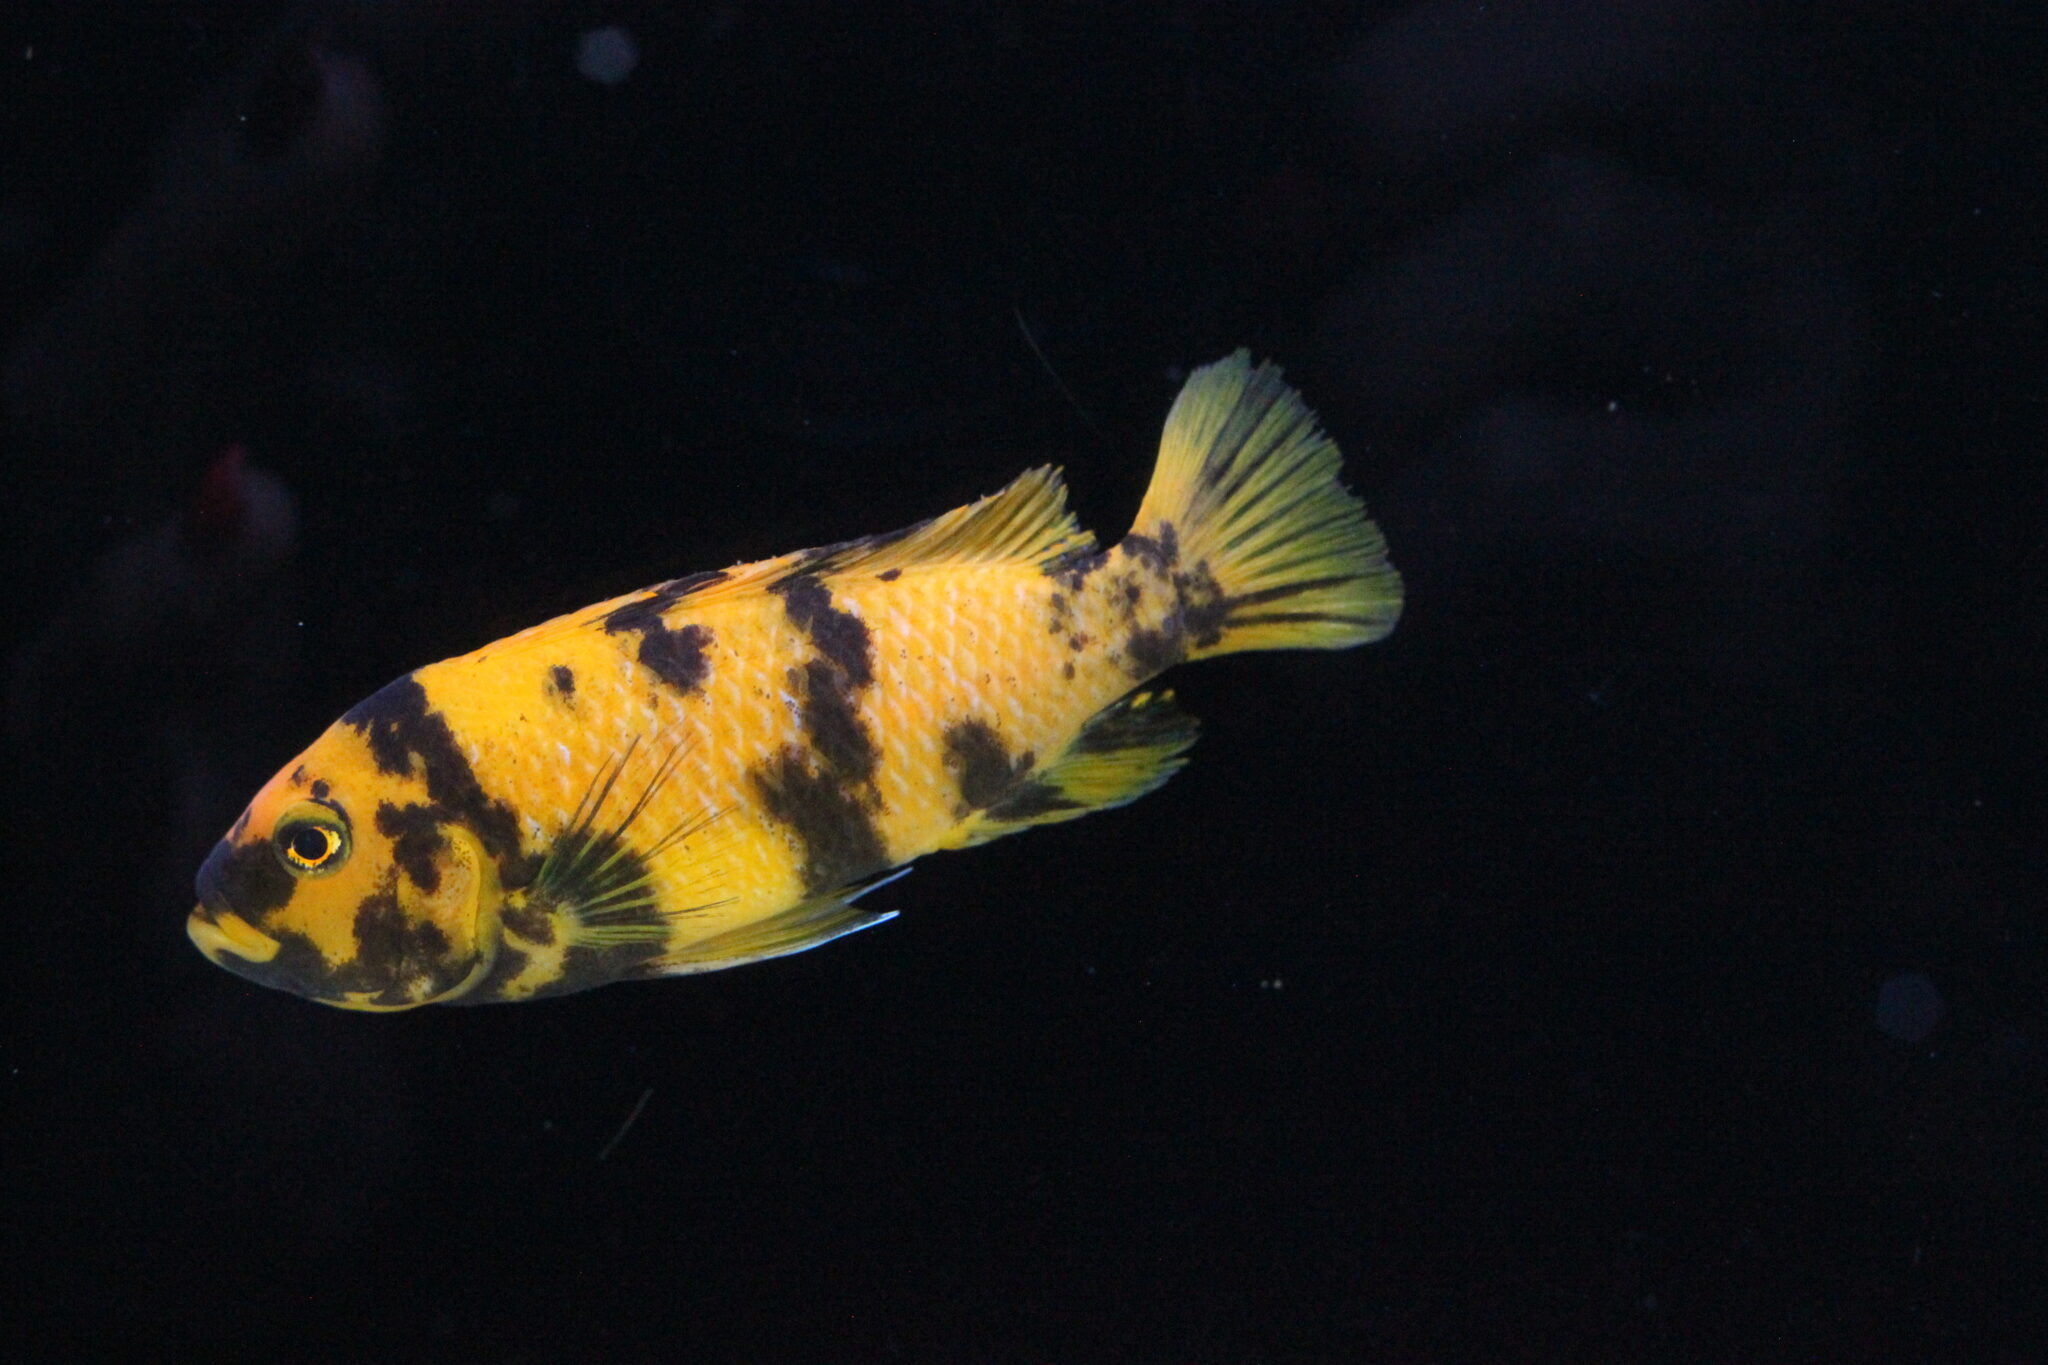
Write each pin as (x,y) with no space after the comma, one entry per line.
(399,728)
(839,635)
(1149,651)
(832,720)
(320,789)
(981,765)
(392,944)
(392,952)
(890,575)
(831,820)
(415,834)
(298,777)
(245,878)
(529,922)
(391,719)
(677,656)
(1133,591)
(562,681)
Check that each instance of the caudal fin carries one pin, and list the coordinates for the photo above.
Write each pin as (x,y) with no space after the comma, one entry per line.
(1247,489)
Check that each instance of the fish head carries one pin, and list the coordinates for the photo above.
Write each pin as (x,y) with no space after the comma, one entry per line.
(345,884)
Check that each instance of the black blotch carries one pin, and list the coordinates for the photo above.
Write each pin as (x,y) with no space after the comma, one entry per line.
(890,575)
(982,766)
(394,950)
(677,656)
(529,922)
(1032,799)
(562,681)
(832,822)
(396,722)
(1068,670)
(1159,553)
(1150,651)
(415,834)
(508,963)
(1203,606)
(648,610)
(298,777)
(390,719)
(1078,641)
(585,967)
(839,635)
(1059,602)
(320,789)
(831,719)
(245,878)
(1071,569)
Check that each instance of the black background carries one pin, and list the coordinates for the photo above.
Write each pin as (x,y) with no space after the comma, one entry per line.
(1507,991)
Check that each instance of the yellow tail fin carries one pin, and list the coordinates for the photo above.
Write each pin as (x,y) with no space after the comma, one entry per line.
(1247,485)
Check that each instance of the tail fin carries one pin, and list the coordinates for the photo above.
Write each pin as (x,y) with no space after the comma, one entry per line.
(1247,485)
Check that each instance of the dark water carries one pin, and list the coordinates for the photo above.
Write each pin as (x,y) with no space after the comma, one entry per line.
(1640,956)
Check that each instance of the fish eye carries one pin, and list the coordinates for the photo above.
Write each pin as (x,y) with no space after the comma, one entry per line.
(311,842)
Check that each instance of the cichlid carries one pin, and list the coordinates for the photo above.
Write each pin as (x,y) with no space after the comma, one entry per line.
(711,771)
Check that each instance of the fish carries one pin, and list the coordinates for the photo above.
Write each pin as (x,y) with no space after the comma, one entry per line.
(716,769)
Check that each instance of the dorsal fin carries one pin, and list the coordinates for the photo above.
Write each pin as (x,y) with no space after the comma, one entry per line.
(1026,521)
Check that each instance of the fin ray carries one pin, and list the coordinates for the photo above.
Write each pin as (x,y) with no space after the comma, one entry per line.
(1250,486)
(1026,521)
(806,925)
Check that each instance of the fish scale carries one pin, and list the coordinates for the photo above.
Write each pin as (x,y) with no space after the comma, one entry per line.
(713,770)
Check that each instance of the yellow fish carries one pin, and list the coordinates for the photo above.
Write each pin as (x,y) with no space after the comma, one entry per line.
(711,771)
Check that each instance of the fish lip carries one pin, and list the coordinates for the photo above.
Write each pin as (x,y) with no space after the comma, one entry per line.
(222,934)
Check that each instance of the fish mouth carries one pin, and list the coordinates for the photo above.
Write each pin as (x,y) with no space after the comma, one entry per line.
(223,935)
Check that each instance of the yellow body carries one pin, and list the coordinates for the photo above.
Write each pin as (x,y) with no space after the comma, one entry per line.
(705,772)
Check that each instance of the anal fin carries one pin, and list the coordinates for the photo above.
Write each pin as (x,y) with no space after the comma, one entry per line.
(1127,749)
(805,925)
